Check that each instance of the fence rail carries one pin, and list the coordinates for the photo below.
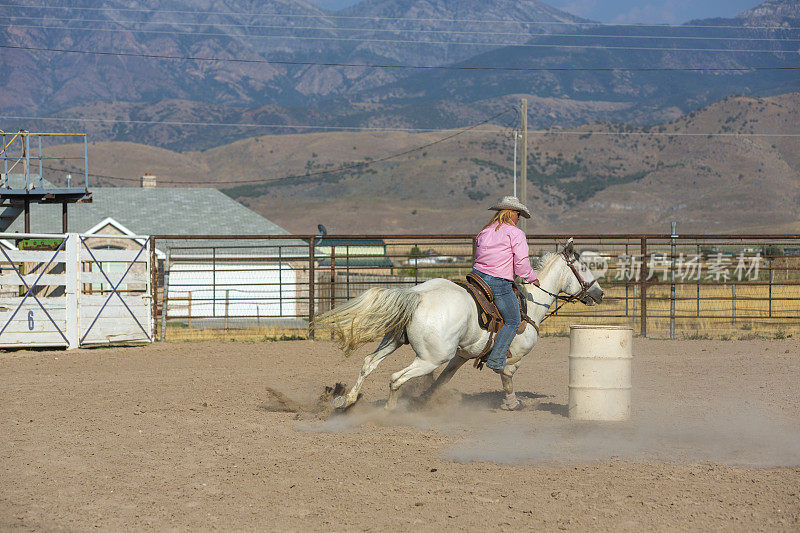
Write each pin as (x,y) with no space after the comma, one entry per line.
(664,285)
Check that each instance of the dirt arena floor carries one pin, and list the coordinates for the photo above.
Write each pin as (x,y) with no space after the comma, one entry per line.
(239,436)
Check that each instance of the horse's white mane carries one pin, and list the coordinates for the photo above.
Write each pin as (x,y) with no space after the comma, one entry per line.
(545,263)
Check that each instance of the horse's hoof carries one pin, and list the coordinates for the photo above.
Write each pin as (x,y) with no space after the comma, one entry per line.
(339,402)
(512,406)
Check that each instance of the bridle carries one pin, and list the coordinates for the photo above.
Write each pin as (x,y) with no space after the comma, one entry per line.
(573,297)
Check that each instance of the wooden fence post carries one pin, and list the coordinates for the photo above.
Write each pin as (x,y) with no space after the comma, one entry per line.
(227,297)
(153,285)
(72,269)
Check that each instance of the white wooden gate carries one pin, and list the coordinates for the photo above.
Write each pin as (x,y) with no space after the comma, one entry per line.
(75,295)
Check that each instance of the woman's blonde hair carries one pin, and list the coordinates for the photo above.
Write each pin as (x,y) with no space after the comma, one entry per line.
(503,217)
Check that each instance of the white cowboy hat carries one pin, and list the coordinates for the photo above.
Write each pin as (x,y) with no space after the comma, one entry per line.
(513,203)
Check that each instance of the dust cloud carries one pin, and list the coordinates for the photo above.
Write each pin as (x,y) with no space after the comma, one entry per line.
(724,433)
(448,411)
(448,414)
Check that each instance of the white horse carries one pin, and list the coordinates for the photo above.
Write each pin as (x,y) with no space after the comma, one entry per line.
(440,321)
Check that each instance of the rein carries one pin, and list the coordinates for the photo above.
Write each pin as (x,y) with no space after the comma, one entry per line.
(566,299)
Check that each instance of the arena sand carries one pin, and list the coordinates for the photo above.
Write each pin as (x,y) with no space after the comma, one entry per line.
(242,436)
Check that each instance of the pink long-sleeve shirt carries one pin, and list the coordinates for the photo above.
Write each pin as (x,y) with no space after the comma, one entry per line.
(504,253)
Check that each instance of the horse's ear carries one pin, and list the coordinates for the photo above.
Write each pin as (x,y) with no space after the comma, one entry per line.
(568,248)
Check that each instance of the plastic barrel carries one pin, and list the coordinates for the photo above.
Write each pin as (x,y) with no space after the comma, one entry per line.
(600,372)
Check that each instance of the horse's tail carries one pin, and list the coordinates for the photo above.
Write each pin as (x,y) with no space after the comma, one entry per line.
(373,314)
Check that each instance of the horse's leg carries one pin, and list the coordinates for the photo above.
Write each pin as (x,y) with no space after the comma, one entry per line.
(510,402)
(452,367)
(419,367)
(514,361)
(384,349)
(434,340)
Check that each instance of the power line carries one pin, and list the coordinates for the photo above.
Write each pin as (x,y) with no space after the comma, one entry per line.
(90,174)
(407,19)
(370,65)
(407,41)
(365,163)
(392,30)
(343,168)
(403,130)
(659,133)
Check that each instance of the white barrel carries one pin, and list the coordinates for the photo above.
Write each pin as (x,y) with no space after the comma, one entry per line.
(600,372)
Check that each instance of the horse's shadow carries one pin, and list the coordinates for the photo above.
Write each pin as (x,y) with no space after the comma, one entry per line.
(478,400)
(493,399)
(556,408)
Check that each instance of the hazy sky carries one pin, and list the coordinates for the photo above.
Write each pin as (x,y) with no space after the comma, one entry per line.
(629,11)
(652,11)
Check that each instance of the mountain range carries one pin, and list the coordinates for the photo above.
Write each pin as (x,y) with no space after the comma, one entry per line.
(282,65)
(593,178)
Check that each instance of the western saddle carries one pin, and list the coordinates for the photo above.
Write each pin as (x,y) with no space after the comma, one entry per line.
(489,317)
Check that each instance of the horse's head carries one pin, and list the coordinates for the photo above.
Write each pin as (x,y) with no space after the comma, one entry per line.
(580,281)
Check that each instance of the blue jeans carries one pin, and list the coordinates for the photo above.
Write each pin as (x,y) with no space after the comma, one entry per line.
(508,306)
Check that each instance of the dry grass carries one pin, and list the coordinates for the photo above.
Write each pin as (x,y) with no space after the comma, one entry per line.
(753,317)
(181,333)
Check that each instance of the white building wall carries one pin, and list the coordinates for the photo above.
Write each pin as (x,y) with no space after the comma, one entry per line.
(232,289)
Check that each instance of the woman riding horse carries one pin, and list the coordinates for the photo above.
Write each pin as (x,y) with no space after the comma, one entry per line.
(502,254)
(439,318)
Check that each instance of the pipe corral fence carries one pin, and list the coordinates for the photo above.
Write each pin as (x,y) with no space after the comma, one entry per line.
(664,286)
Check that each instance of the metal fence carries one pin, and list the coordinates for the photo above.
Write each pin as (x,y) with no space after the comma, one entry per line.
(695,286)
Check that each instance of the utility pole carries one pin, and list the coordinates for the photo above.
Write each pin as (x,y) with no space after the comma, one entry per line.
(516,140)
(523,186)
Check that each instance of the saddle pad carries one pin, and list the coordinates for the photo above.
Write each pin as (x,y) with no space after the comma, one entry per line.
(489,317)
(481,284)
(486,309)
